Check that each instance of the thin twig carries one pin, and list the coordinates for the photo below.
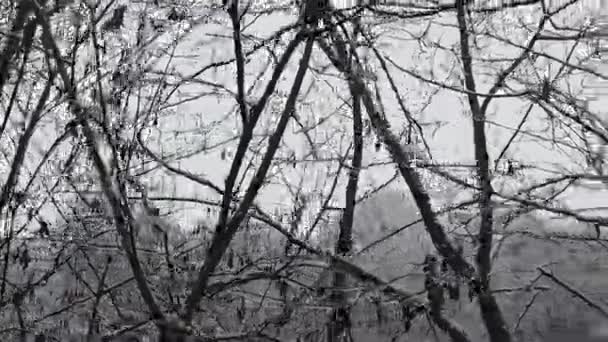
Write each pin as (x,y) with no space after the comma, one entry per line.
(574,291)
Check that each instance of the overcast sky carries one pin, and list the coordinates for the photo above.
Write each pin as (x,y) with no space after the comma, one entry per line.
(451,142)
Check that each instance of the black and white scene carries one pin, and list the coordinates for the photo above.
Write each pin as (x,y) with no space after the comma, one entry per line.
(304,170)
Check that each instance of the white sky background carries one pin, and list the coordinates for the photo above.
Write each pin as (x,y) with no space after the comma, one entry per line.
(451,143)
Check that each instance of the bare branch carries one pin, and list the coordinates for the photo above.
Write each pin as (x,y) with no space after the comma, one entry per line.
(491,313)
(597,307)
(224,235)
(409,174)
(122,215)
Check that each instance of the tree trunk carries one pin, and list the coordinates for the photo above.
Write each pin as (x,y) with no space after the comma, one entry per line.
(172,332)
(340,320)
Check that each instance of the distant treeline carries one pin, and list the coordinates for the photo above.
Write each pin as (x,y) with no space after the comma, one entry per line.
(123,338)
